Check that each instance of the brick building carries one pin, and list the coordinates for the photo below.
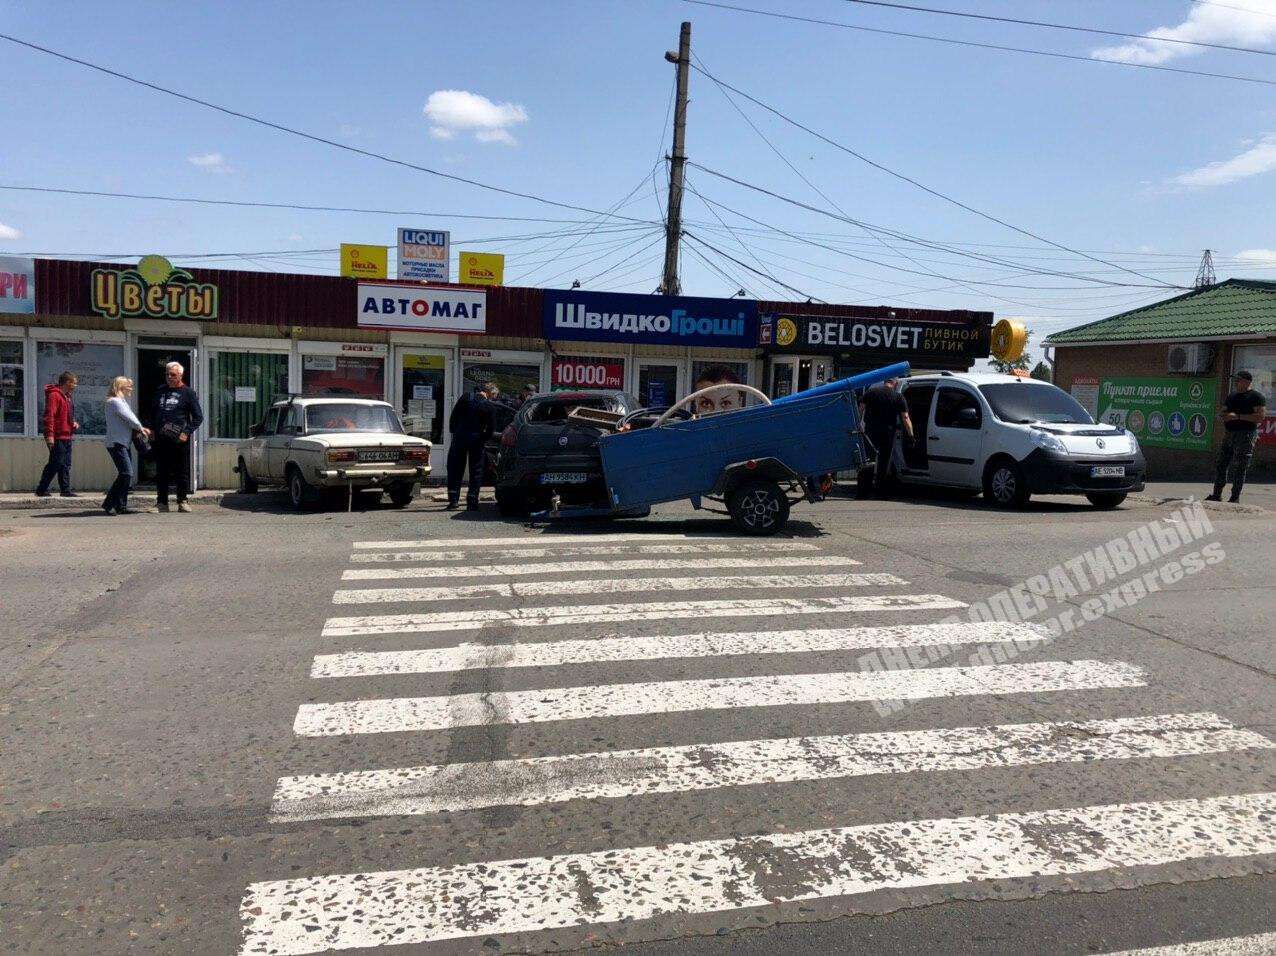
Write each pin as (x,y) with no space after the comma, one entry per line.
(1163,370)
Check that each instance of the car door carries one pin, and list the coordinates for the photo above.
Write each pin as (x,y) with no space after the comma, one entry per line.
(919,397)
(254,447)
(955,442)
(279,444)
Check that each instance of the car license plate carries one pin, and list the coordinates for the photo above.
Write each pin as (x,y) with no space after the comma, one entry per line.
(565,477)
(1107,471)
(377,454)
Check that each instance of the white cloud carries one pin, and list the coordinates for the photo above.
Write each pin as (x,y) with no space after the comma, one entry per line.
(1254,26)
(210,162)
(1267,256)
(1259,158)
(8,232)
(459,111)
(349,129)
(296,237)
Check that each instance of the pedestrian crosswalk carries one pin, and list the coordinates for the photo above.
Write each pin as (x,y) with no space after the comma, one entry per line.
(556,635)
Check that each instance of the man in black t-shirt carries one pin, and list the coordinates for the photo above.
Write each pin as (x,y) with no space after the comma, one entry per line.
(883,409)
(1243,412)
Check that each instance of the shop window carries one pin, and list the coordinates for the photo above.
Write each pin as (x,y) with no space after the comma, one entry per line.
(242,386)
(740,370)
(94,364)
(1259,361)
(510,379)
(12,393)
(355,376)
(424,380)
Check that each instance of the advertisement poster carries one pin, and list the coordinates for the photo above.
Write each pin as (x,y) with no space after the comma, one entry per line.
(424,254)
(364,262)
(481,268)
(1162,412)
(1086,391)
(1267,431)
(94,365)
(651,319)
(572,374)
(332,375)
(17,285)
(423,309)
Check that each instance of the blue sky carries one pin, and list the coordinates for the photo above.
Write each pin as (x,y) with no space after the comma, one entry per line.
(1094,156)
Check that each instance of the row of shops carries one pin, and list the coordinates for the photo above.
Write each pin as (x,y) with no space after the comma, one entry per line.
(250,338)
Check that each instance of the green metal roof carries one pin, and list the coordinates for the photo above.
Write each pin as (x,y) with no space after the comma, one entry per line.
(1236,307)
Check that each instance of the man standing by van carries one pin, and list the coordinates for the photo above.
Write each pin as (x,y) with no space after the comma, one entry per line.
(1243,412)
(60,427)
(177,417)
(883,409)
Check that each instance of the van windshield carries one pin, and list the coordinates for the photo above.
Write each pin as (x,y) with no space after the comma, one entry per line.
(1023,403)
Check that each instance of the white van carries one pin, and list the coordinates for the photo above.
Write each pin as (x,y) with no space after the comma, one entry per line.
(1012,437)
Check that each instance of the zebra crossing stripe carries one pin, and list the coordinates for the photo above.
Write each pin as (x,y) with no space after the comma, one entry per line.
(540,540)
(428,904)
(629,613)
(399,714)
(572,551)
(1261,945)
(611,586)
(475,656)
(626,773)
(571,567)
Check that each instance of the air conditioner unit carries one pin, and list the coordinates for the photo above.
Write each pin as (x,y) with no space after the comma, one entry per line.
(1191,359)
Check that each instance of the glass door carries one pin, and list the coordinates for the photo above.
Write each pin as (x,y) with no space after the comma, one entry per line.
(423,385)
(152,360)
(659,383)
(783,375)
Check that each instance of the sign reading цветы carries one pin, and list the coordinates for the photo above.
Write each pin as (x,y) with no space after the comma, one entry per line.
(421,308)
(1163,412)
(424,254)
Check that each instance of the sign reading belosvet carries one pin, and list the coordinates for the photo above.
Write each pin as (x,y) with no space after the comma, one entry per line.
(906,338)
(650,319)
(421,308)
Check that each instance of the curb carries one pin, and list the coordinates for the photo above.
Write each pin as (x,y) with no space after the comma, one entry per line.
(91,500)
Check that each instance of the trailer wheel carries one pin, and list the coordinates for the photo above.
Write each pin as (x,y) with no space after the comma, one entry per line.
(759,507)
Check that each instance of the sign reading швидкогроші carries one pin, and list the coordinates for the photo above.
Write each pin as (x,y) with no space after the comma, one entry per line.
(650,319)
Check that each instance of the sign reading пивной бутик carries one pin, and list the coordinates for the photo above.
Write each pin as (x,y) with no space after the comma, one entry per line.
(421,308)
(905,338)
(1162,412)
(650,319)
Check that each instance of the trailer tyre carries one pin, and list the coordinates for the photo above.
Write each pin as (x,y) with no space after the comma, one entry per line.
(759,508)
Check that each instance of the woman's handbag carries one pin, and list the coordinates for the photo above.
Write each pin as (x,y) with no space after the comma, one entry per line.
(141,443)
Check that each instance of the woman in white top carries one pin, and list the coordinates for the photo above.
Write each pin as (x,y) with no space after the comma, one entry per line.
(121,423)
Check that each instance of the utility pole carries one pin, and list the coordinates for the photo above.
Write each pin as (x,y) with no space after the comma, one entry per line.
(1205,274)
(673,218)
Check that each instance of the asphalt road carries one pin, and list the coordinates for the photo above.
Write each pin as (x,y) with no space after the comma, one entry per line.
(244,730)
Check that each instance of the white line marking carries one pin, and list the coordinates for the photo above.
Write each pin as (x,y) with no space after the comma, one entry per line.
(1262,945)
(572,567)
(628,613)
(540,540)
(399,714)
(428,904)
(748,546)
(625,773)
(707,644)
(611,586)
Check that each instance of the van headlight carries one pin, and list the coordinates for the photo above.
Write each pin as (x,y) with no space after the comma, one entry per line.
(1134,442)
(1047,441)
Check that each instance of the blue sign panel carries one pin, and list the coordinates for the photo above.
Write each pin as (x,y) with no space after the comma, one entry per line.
(650,319)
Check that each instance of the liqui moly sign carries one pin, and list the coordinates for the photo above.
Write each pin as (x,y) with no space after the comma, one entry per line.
(650,319)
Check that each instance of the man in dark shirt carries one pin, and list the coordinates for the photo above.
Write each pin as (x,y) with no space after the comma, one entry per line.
(470,425)
(176,417)
(883,409)
(1243,412)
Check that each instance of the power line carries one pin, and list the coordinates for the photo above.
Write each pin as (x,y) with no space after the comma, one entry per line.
(983,46)
(300,133)
(913,182)
(1057,26)
(1229,6)
(745,265)
(297,206)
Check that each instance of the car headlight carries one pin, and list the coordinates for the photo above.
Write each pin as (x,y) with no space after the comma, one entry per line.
(1047,441)
(1134,442)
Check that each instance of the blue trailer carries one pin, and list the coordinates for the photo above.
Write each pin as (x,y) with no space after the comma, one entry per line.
(758,460)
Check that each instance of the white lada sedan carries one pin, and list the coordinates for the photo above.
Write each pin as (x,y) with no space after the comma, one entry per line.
(310,446)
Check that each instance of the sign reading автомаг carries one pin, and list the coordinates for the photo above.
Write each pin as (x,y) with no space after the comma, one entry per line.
(650,319)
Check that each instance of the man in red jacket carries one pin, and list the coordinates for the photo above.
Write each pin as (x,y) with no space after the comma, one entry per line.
(59,433)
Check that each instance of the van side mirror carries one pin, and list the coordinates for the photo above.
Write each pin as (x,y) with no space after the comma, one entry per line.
(968,417)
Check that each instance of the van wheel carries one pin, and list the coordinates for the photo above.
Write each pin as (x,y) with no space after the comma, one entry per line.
(247,483)
(1106,500)
(300,495)
(1005,485)
(759,508)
